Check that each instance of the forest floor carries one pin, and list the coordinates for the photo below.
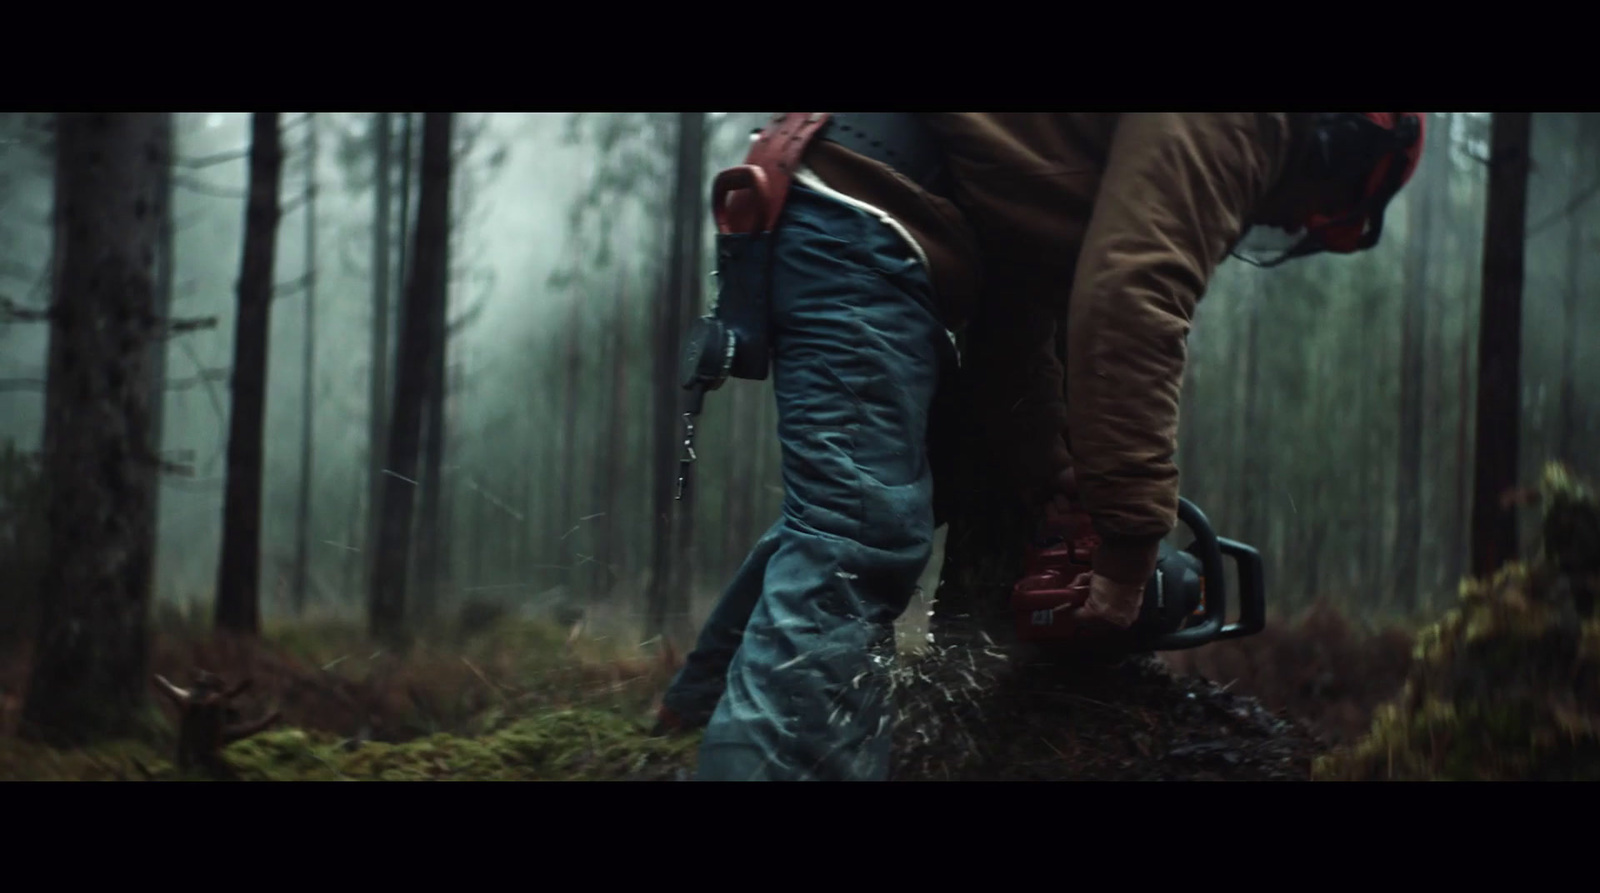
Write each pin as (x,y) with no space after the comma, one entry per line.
(1505,684)
(521,699)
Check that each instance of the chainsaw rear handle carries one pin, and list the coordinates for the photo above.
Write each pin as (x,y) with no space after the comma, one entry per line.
(1208,548)
(1252,590)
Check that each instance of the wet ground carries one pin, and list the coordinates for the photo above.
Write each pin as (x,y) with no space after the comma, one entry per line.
(974,715)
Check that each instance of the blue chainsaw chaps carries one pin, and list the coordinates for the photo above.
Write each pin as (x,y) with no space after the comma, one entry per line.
(792,666)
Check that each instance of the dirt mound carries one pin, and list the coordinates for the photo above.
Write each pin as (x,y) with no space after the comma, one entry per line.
(979,715)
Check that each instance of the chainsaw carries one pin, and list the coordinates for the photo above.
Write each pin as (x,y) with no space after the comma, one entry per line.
(1185,600)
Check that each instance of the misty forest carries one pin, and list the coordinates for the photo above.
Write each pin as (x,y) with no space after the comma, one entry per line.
(345,446)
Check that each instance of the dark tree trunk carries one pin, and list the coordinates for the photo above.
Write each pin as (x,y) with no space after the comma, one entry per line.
(386,606)
(671,578)
(89,666)
(382,257)
(569,450)
(408,162)
(664,462)
(1255,477)
(165,274)
(1459,519)
(239,571)
(1567,443)
(1413,329)
(1494,527)
(351,566)
(302,514)
(431,531)
(614,450)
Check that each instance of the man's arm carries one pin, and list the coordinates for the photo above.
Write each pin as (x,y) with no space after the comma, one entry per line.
(1176,194)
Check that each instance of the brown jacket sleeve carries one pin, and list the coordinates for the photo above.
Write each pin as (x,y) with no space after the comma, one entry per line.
(1176,194)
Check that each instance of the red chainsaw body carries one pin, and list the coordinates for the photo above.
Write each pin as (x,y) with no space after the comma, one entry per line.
(1041,600)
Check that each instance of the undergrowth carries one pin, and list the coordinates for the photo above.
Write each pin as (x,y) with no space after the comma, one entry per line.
(1506,686)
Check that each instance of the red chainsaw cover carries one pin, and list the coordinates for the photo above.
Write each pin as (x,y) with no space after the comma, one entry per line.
(1048,573)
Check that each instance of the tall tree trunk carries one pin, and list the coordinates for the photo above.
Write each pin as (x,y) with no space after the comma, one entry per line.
(1413,329)
(351,565)
(1494,527)
(89,666)
(1255,479)
(165,275)
(569,448)
(1459,520)
(302,514)
(382,257)
(239,571)
(612,469)
(658,593)
(671,578)
(1460,501)
(408,163)
(431,530)
(690,202)
(386,605)
(1584,141)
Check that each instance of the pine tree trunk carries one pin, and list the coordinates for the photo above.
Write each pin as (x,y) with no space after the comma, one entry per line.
(615,448)
(1413,329)
(570,450)
(431,530)
(382,257)
(673,567)
(1584,139)
(89,666)
(1255,477)
(302,514)
(408,163)
(239,571)
(387,600)
(690,204)
(165,275)
(1494,527)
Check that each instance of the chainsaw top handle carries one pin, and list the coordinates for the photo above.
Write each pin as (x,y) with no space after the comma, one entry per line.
(1207,547)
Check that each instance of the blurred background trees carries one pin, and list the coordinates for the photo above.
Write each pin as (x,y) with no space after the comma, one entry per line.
(1330,414)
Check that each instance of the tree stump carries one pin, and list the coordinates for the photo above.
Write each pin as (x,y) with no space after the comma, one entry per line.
(208,722)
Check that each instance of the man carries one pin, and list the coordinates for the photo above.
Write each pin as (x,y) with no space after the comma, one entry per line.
(899,228)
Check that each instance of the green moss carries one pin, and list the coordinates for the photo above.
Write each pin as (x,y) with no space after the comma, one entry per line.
(116,761)
(1507,684)
(562,745)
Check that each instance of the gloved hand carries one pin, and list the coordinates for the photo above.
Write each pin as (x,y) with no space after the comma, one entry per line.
(1107,606)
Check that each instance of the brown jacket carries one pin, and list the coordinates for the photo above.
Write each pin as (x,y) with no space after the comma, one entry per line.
(1111,225)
